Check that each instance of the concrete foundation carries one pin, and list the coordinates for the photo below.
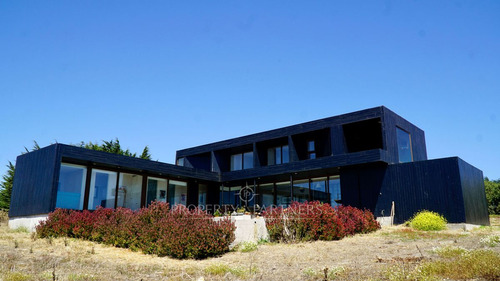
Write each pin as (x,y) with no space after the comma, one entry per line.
(248,228)
(30,222)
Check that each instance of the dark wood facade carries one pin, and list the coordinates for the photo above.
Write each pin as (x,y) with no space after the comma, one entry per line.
(360,147)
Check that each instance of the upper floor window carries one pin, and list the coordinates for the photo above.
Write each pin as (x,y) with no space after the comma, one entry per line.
(278,155)
(311,150)
(180,161)
(242,161)
(404,146)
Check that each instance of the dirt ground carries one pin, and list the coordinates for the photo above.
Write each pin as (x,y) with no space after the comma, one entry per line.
(362,257)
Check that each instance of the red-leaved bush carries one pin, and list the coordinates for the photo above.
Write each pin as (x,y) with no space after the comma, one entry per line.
(316,221)
(157,229)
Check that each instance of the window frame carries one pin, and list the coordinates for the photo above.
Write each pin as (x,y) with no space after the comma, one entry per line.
(410,143)
(241,155)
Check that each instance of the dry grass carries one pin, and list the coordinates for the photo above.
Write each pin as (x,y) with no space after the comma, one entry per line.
(387,254)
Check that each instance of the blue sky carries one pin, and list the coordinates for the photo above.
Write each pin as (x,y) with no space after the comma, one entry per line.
(176,74)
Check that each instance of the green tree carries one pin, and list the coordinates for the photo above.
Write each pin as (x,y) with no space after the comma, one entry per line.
(492,189)
(113,146)
(6,187)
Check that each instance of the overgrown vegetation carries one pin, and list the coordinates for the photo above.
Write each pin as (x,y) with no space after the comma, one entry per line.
(157,229)
(223,269)
(247,246)
(455,264)
(410,234)
(314,220)
(428,221)
(325,273)
(4,217)
(491,240)
(492,189)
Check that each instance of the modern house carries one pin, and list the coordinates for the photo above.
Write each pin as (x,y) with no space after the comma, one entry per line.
(367,159)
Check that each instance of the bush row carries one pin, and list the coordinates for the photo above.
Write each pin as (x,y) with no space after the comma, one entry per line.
(157,229)
(317,221)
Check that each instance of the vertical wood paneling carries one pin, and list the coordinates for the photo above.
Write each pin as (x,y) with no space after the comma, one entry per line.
(34,183)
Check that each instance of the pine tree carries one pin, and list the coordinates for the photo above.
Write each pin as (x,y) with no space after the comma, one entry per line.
(6,187)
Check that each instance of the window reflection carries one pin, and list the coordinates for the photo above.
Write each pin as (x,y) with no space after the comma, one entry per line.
(404,146)
(102,189)
(156,190)
(71,187)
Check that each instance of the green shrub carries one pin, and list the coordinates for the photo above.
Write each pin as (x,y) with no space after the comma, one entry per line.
(427,220)
(247,246)
(491,240)
(492,189)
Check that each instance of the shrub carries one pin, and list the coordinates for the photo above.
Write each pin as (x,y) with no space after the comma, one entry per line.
(316,221)
(4,216)
(427,220)
(247,246)
(177,232)
(491,240)
(492,189)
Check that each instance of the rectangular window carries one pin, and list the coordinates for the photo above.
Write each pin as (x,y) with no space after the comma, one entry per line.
(202,195)
(71,187)
(236,162)
(277,152)
(301,190)
(129,191)
(335,191)
(102,189)
(177,192)
(404,146)
(180,161)
(156,190)
(311,150)
(266,194)
(318,190)
(278,155)
(248,160)
(283,196)
(242,161)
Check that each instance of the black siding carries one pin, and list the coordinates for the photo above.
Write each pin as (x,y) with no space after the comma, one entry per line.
(476,206)
(437,185)
(34,184)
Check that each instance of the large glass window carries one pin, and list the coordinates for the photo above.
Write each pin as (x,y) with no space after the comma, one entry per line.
(404,146)
(318,190)
(156,190)
(278,155)
(202,195)
(230,195)
(335,191)
(301,190)
(177,192)
(266,194)
(283,196)
(129,191)
(242,161)
(71,187)
(102,189)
